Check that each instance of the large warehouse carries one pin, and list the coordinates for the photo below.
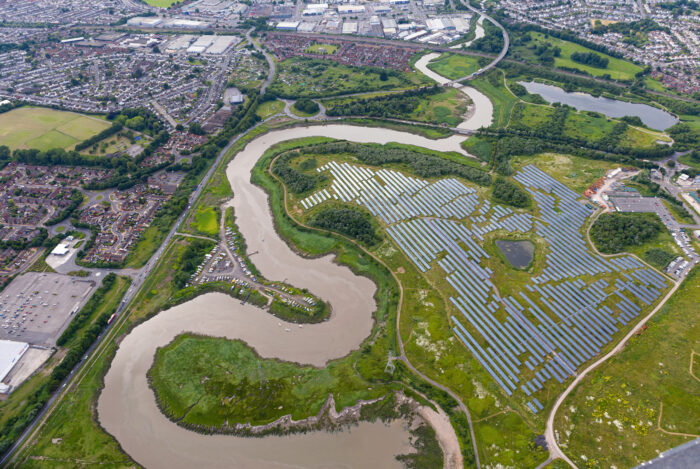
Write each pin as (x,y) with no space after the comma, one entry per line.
(10,353)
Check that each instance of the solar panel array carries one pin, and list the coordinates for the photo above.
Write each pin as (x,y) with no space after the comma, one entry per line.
(544,332)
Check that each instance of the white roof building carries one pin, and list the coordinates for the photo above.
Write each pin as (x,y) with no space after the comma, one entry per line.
(10,353)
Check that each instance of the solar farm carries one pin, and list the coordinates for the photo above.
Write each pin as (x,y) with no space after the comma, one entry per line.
(563,317)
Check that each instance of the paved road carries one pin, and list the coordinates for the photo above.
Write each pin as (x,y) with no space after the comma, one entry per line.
(500,56)
(270,62)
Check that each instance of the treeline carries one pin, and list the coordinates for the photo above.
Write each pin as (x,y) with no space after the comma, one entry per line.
(509,193)
(684,137)
(297,182)
(140,119)
(590,58)
(191,258)
(491,42)
(20,244)
(306,105)
(421,164)
(82,317)
(613,232)
(349,222)
(35,401)
(76,198)
(106,133)
(397,105)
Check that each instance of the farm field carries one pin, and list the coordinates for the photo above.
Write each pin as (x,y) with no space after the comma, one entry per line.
(322,49)
(618,69)
(454,66)
(44,129)
(302,77)
(644,400)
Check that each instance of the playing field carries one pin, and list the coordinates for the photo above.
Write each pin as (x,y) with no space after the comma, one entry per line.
(43,129)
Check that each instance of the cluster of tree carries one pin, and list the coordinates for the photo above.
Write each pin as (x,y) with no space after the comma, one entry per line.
(397,105)
(196,128)
(546,52)
(140,119)
(84,315)
(613,232)
(76,198)
(633,33)
(349,222)
(492,41)
(106,133)
(509,193)
(297,182)
(9,106)
(590,58)
(659,258)
(306,105)
(35,401)
(189,261)
(684,137)
(19,244)
(680,7)
(422,164)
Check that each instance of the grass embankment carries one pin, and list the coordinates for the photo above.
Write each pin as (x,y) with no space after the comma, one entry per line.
(269,108)
(44,129)
(312,78)
(492,85)
(454,66)
(25,402)
(615,417)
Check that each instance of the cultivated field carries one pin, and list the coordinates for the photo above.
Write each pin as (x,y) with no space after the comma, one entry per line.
(44,129)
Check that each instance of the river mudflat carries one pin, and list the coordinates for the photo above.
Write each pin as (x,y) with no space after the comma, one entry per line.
(127,408)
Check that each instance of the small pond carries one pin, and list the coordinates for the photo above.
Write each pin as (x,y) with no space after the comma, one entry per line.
(518,253)
(653,117)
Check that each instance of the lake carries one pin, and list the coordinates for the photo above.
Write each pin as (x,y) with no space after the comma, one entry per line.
(651,116)
(518,253)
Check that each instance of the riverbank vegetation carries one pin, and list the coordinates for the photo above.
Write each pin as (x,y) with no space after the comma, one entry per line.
(433,105)
(644,400)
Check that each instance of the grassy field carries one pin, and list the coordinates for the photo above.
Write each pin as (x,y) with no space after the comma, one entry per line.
(302,77)
(447,107)
(206,221)
(322,49)
(501,98)
(454,66)
(161,3)
(44,129)
(269,108)
(615,416)
(618,69)
(576,172)
(234,368)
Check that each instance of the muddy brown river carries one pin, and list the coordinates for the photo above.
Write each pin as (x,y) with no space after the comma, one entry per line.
(127,408)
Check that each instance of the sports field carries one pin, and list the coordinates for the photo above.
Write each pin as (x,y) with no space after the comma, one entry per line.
(43,129)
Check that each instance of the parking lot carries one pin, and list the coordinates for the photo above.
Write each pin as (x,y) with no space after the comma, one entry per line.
(36,307)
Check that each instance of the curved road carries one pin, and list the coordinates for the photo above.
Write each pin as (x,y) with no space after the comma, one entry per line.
(500,56)
(268,57)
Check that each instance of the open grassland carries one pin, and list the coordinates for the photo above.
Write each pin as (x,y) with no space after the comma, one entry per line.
(618,69)
(44,129)
(266,389)
(322,49)
(161,3)
(575,172)
(269,108)
(206,221)
(68,426)
(454,66)
(645,399)
(301,77)
(447,107)
(502,99)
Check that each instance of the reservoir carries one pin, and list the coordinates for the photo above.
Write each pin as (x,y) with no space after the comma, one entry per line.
(518,253)
(651,116)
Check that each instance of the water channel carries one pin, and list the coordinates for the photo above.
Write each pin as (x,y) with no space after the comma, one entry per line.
(653,117)
(126,407)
